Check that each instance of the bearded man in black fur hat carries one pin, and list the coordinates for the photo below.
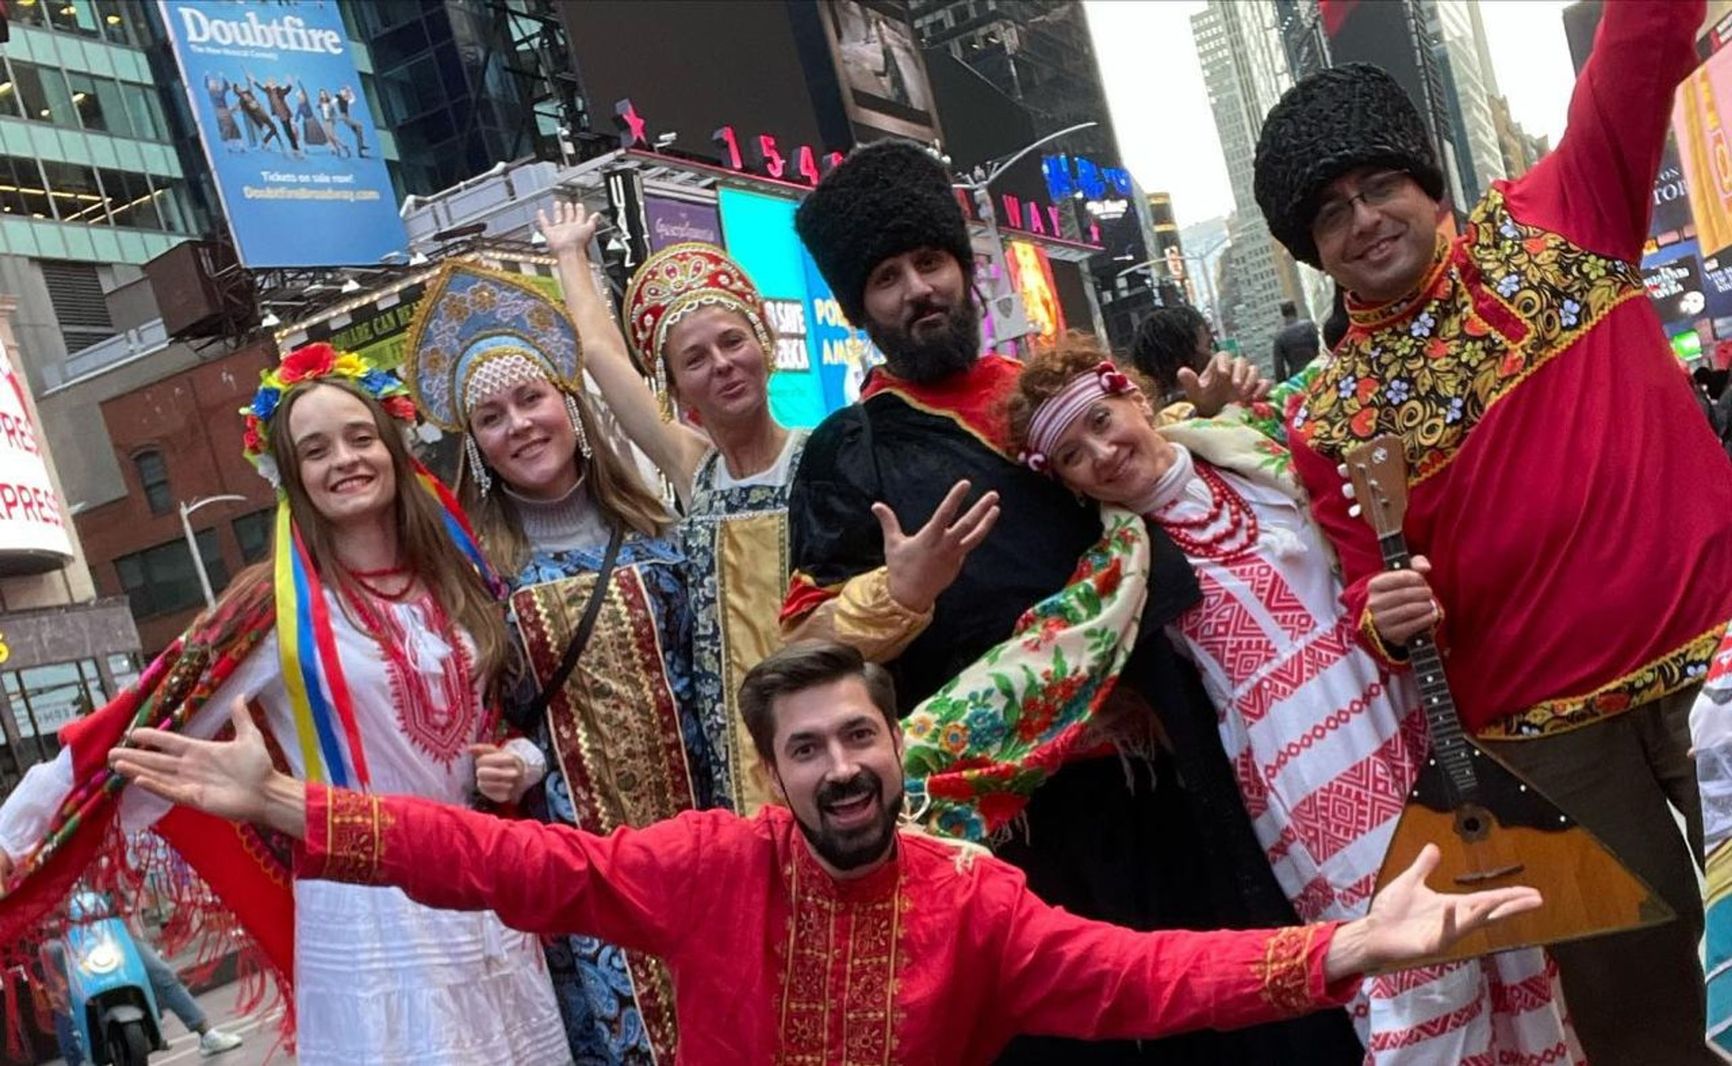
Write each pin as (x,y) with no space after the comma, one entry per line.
(1572,511)
(887,558)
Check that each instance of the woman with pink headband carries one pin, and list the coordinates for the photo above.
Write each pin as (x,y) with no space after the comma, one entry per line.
(1326,741)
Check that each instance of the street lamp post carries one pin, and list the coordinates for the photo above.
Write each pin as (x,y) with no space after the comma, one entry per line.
(186,510)
(1202,260)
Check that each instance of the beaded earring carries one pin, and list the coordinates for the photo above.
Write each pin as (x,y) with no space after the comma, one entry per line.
(577,425)
(483,479)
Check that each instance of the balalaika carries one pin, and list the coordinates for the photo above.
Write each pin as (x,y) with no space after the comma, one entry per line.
(1494,828)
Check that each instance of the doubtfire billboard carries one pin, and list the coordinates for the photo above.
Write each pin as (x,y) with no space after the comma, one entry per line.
(286,130)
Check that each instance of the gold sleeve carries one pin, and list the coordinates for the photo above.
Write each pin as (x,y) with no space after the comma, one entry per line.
(865,616)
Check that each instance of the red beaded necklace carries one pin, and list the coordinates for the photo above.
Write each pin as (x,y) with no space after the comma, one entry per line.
(1238,533)
(360,578)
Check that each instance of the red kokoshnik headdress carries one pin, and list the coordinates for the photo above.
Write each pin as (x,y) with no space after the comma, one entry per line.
(673,283)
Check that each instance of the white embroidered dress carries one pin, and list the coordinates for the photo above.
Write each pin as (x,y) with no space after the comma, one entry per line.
(1325,745)
(379,979)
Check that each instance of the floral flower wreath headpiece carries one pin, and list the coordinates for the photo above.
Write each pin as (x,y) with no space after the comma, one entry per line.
(672,284)
(1058,411)
(312,362)
(313,677)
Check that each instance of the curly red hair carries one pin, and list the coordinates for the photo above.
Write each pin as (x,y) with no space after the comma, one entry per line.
(1050,368)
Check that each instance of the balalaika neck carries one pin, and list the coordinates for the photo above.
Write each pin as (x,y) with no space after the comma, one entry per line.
(1448,744)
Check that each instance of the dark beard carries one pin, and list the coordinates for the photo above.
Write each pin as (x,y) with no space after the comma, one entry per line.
(860,847)
(935,353)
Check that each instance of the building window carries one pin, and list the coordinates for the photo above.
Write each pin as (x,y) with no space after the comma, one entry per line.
(44,698)
(123,667)
(145,112)
(153,479)
(119,23)
(253,532)
(33,100)
(22,190)
(72,16)
(162,579)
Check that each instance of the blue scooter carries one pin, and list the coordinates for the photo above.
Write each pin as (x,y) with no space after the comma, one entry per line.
(112,1006)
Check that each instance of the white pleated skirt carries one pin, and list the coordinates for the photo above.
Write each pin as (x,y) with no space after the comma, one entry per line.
(383,981)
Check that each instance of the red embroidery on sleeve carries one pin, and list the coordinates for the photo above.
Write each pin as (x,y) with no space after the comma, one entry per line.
(1284,969)
(355,826)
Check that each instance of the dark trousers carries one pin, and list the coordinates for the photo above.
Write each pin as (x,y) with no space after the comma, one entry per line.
(1637,999)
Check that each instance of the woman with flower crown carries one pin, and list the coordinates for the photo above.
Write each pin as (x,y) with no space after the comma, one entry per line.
(698,325)
(370,650)
(597,601)
(1327,741)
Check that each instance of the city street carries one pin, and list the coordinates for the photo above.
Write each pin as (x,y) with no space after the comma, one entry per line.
(259,1030)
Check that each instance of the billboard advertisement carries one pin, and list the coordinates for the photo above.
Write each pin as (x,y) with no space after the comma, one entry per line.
(819,358)
(1674,282)
(669,221)
(1704,153)
(32,520)
(878,63)
(1031,274)
(290,140)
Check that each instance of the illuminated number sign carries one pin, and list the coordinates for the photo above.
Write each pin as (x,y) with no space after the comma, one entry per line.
(760,154)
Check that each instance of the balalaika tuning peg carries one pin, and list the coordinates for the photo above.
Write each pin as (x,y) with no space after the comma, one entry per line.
(1347,491)
(1341,469)
(1353,511)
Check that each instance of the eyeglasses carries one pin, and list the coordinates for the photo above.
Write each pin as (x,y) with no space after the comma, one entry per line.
(1374,191)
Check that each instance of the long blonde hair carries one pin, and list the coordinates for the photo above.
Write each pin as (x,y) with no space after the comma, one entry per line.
(427,547)
(613,484)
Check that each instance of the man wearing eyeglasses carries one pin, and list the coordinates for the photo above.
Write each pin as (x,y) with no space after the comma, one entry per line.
(1573,509)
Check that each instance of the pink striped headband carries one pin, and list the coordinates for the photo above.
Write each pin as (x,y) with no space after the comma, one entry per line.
(1064,407)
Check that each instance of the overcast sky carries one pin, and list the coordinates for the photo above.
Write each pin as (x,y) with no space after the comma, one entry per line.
(1160,107)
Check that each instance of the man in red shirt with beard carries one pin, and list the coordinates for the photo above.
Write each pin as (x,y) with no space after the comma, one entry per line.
(817,931)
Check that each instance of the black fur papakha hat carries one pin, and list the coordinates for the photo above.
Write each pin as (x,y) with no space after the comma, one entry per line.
(1332,122)
(886,198)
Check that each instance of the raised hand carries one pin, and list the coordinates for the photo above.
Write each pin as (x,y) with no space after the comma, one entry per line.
(1401,603)
(923,565)
(569,230)
(1409,922)
(1226,379)
(500,775)
(224,778)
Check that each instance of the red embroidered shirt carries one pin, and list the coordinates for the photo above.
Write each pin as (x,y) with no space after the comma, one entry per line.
(938,957)
(1574,503)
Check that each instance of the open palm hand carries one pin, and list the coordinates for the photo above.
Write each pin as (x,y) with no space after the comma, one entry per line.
(1409,921)
(569,228)
(224,778)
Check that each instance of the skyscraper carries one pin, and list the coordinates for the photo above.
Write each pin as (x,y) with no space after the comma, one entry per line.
(1460,33)
(1245,67)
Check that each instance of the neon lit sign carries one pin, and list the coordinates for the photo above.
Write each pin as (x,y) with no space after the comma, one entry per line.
(758,153)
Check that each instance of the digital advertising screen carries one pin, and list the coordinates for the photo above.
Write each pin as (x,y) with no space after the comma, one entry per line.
(1698,116)
(670,221)
(878,62)
(290,139)
(819,358)
(1031,274)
